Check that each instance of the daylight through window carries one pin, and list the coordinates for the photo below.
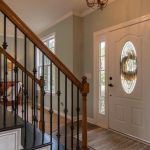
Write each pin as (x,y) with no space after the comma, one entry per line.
(50,43)
(102,80)
(128,67)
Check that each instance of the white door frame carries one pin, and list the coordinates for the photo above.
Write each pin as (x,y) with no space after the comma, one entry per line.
(103,33)
(103,122)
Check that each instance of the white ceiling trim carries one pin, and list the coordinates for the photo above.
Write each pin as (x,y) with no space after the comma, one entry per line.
(85,13)
(58,21)
(62,18)
(47,12)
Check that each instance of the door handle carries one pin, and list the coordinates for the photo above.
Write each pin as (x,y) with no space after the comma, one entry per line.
(110,85)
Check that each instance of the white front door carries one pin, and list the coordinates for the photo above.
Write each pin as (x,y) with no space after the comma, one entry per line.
(129,80)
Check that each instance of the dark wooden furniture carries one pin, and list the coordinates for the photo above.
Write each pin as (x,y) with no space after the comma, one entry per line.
(10,102)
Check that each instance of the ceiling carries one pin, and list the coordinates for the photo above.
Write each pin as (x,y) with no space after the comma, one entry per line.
(41,14)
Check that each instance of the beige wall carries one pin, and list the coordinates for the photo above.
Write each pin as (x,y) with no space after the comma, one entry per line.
(64,40)
(68,50)
(78,46)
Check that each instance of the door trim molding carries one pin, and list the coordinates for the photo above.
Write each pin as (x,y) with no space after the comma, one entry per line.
(123,25)
(131,137)
(102,33)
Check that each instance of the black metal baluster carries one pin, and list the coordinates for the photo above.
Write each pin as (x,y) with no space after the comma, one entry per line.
(22,91)
(36,106)
(34,97)
(27,100)
(4,93)
(43,96)
(12,82)
(15,84)
(72,125)
(16,72)
(25,90)
(58,94)
(66,111)
(51,102)
(78,111)
(0,75)
(5,72)
(16,90)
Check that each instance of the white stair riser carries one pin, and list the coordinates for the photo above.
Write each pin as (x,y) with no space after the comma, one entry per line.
(45,148)
(10,140)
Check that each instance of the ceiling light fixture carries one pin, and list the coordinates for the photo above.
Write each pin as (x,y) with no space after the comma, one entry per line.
(99,3)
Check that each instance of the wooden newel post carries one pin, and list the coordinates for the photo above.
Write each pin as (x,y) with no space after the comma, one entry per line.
(85,91)
(41,104)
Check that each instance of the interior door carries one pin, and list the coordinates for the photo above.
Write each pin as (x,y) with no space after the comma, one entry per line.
(129,80)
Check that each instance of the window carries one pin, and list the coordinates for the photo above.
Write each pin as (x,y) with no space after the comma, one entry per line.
(102,80)
(128,67)
(50,43)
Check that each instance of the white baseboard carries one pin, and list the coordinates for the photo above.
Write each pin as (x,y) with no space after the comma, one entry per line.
(63,115)
(131,137)
(91,120)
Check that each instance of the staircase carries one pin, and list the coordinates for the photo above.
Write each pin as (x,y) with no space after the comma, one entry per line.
(24,114)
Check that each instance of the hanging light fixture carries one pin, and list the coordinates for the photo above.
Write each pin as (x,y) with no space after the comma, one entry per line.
(99,3)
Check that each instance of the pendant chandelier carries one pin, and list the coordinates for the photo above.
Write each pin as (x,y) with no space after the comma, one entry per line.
(99,3)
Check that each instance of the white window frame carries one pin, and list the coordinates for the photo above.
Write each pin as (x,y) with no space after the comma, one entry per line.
(99,75)
(99,119)
(47,39)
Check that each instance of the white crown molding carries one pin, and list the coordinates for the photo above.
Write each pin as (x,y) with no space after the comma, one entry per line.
(58,21)
(123,25)
(85,13)
(12,36)
(61,19)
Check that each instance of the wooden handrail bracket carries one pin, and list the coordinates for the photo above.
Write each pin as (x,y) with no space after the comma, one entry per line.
(8,56)
(31,36)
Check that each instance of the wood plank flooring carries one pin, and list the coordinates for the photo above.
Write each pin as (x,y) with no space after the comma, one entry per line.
(98,138)
(102,139)
(47,118)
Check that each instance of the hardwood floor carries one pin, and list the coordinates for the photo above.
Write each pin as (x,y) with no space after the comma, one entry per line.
(47,119)
(62,131)
(98,138)
(102,139)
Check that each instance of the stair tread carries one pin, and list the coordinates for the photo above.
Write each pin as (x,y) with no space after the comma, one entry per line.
(10,121)
(41,140)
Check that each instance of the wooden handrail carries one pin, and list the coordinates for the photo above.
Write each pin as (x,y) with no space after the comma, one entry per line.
(84,86)
(31,36)
(8,56)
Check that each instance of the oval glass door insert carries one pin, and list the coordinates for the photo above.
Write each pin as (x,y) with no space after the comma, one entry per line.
(128,67)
